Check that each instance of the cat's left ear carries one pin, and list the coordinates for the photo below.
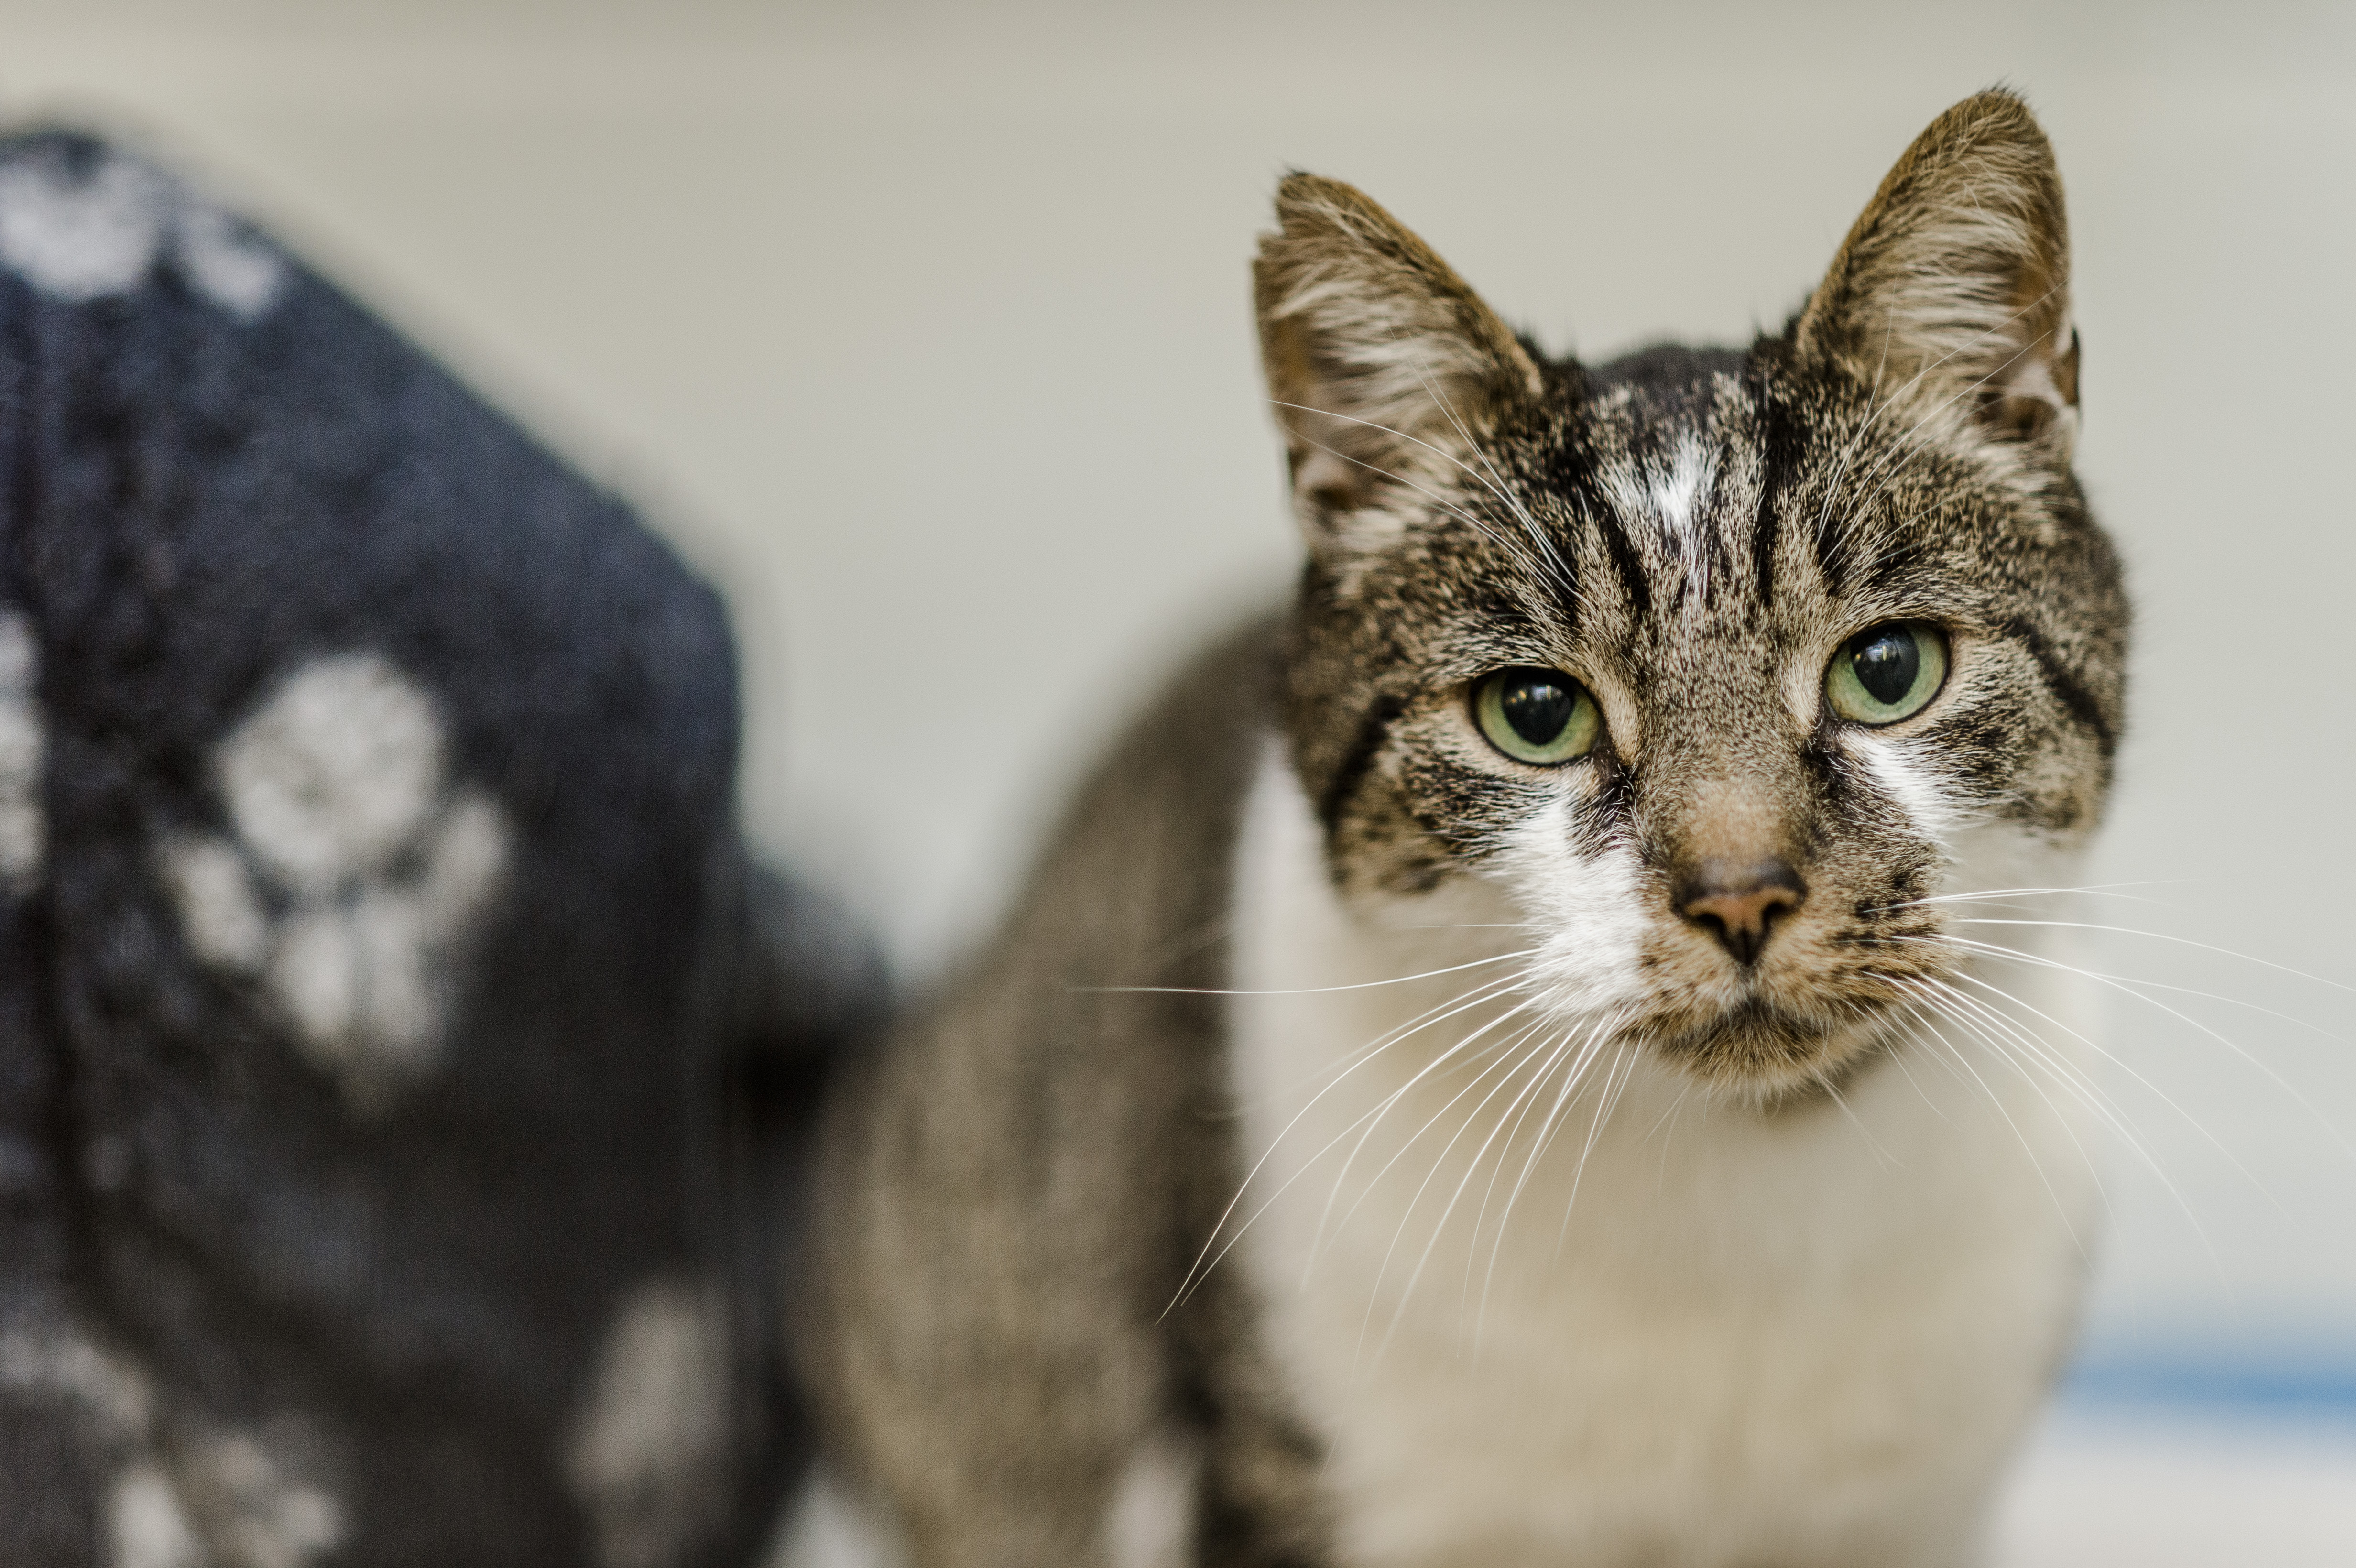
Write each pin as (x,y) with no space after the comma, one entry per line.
(1382,364)
(1952,293)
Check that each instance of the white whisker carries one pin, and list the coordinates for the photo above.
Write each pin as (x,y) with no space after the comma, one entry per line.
(2161,936)
(1444,1011)
(1606,1101)
(1562,573)
(1991,895)
(1995,1100)
(1439,1226)
(1832,489)
(1512,504)
(1297,991)
(2129,987)
(1499,1053)
(1588,1049)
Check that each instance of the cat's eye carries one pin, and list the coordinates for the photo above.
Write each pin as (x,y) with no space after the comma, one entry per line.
(1887,673)
(1536,716)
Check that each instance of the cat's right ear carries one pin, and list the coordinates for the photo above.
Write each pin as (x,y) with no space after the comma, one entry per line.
(1382,365)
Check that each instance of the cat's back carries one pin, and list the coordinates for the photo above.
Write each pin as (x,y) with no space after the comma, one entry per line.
(1025,1160)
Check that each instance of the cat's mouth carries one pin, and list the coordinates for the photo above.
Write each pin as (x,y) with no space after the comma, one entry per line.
(1766,1049)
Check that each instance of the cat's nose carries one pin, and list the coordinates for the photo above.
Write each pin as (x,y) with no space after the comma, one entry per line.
(1738,901)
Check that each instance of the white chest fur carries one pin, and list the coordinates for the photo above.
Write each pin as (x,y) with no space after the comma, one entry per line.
(1685,1333)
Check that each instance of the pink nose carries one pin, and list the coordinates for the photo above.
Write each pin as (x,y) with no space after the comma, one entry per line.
(1738,902)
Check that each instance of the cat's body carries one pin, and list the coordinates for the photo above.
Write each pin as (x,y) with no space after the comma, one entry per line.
(1562,959)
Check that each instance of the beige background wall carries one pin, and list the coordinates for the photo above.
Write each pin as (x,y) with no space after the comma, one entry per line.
(923,330)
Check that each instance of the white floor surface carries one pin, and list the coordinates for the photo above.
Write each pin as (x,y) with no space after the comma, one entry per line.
(2133,1490)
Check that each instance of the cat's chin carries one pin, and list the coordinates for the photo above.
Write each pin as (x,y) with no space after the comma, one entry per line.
(1768,1054)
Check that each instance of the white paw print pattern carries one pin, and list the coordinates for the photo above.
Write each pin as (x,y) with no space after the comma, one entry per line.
(184,1494)
(649,1447)
(356,874)
(82,236)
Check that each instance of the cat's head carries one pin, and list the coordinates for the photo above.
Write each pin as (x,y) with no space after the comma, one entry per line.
(1715,661)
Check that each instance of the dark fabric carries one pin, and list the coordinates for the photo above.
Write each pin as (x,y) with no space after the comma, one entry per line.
(324,1199)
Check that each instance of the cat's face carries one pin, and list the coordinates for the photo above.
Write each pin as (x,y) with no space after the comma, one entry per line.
(1716,663)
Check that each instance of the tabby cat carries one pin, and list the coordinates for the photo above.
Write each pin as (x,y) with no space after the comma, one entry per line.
(1499,1067)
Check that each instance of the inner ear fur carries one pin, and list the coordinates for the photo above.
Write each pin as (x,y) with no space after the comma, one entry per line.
(1375,350)
(1951,291)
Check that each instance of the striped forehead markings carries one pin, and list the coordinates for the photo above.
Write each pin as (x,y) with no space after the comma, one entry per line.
(1623,550)
(1779,464)
(1671,499)
(1673,487)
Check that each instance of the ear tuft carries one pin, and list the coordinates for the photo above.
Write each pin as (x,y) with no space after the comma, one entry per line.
(1953,288)
(1375,350)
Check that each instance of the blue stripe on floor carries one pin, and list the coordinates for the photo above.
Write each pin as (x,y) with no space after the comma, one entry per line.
(2288,1387)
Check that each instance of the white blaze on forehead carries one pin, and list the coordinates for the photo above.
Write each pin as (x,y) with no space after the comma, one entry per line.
(1672,499)
(649,1452)
(23,746)
(1678,491)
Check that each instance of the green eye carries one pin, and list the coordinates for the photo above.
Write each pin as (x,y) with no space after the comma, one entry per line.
(1536,716)
(1887,673)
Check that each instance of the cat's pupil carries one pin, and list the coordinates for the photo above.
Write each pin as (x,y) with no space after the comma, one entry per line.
(1539,705)
(1887,661)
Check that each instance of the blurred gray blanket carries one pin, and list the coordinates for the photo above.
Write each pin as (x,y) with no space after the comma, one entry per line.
(401,1064)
